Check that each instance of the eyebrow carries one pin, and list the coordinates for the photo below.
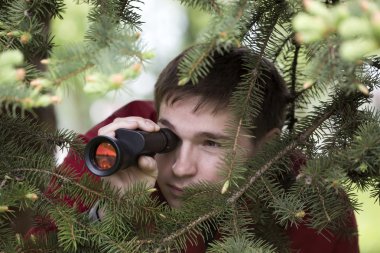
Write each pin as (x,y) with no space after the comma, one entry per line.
(166,123)
(209,135)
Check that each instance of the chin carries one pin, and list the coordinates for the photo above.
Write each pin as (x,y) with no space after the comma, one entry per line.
(174,204)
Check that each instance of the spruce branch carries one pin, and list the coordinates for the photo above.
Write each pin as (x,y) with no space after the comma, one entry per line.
(280,49)
(66,216)
(222,36)
(191,72)
(301,139)
(323,204)
(205,5)
(66,179)
(292,118)
(252,85)
(244,188)
(241,243)
(187,228)
(72,74)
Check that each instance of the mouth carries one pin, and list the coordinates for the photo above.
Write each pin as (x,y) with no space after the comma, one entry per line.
(175,190)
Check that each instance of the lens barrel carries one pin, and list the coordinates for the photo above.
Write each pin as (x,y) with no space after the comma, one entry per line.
(105,155)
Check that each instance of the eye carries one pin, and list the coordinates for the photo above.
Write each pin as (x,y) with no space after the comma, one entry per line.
(211,143)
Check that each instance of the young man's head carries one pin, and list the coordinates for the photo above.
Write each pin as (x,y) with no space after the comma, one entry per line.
(199,115)
(223,79)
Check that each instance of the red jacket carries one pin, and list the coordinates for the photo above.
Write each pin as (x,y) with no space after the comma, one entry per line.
(303,239)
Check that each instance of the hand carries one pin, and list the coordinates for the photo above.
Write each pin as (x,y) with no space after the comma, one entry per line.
(146,170)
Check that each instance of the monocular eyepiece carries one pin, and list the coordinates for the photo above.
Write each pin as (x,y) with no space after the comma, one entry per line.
(104,155)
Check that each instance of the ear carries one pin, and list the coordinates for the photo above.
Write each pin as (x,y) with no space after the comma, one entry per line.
(274,132)
(267,137)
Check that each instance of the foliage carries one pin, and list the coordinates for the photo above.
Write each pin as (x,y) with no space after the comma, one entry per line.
(338,136)
(357,23)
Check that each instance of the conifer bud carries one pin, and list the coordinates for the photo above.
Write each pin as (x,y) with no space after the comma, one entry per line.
(237,43)
(56,99)
(117,80)
(363,167)
(14,34)
(33,238)
(18,239)
(40,83)
(91,78)
(148,55)
(20,74)
(25,38)
(225,187)
(137,67)
(183,81)
(376,18)
(45,61)
(36,83)
(42,100)
(4,209)
(163,216)
(300,214)
(96,83)
(307,84)
(27,102)
(31,196)
(335,184)
(150,190)
(307,4)
(223,35)
(299,176)
(299,38)
(132,72)
(363,89)
(364,5)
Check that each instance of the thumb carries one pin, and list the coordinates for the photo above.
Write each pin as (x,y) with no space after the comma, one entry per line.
(148,166)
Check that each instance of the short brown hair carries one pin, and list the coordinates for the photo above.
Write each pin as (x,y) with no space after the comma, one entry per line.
(223,79)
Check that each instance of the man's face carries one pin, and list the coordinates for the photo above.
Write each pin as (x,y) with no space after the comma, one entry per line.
(198,154)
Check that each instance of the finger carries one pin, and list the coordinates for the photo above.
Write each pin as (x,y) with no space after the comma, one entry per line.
(110,129)
(129,123)
(142,123)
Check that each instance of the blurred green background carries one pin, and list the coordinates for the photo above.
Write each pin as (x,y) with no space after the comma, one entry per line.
(168,28)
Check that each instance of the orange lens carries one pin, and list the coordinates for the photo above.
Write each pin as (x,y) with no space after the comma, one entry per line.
(105,156)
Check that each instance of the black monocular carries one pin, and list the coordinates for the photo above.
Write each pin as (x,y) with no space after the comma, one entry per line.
(104,155)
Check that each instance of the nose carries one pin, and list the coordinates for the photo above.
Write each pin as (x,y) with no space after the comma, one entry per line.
(185,164)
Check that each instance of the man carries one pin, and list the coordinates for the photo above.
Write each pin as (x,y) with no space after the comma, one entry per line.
(199,115)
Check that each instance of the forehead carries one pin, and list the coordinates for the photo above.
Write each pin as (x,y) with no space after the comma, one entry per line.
(187,111)
(199,100)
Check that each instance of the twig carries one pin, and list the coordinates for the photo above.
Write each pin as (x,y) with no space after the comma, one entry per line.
(301,139)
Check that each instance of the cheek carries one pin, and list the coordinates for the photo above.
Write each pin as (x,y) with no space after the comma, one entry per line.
(164,162)
(209,169)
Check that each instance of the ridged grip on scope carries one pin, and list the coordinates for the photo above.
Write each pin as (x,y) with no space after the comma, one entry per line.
(147,143)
